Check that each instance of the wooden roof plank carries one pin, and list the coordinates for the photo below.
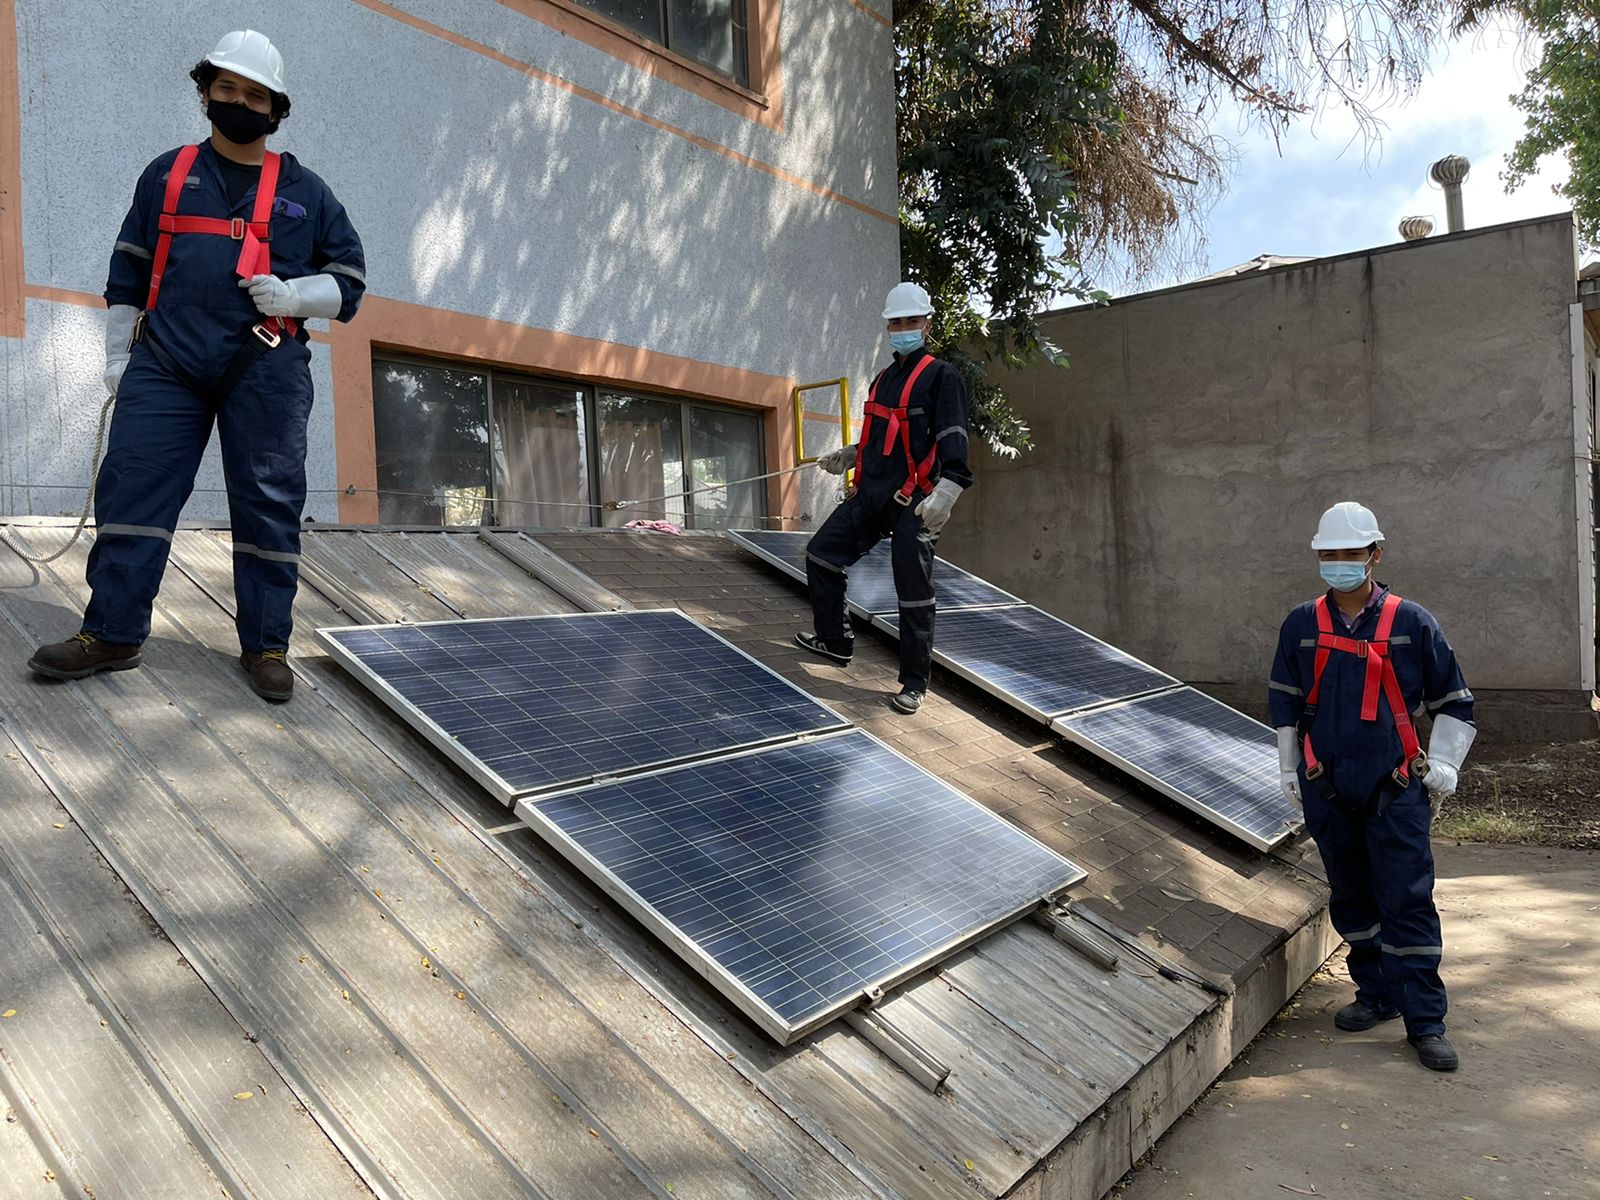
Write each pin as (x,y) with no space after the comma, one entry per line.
(341,1061)
(74,1082)
(173,1024)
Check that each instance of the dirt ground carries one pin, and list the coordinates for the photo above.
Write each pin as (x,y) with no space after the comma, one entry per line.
(1540,794)
(1310,1111)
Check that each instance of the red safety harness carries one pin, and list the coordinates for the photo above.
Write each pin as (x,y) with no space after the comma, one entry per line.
(1379,674)
(254,236)
(898,427)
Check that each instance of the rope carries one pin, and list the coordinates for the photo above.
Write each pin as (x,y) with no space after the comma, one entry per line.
(352,490)
(88,496)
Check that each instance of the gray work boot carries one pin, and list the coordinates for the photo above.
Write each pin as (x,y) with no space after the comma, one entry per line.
(270,677)
(1435,1052)
(1357,1016)
(83,654)
(908,701)
(836,654)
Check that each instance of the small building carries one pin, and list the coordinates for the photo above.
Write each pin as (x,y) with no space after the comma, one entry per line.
(1180,464)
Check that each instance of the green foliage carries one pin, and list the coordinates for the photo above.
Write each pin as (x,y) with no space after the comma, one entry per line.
(1561,98)
(991,99)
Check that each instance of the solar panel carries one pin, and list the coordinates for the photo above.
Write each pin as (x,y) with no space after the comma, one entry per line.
(529,703)
(1034,662)
(799,877)
(871,581)
(1206,756)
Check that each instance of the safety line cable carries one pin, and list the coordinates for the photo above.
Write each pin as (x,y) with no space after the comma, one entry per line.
(88,496)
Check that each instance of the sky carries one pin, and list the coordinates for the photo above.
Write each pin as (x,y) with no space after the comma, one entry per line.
(1322,191)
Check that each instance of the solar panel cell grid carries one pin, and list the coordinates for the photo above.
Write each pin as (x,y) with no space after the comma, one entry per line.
(1042,665)
(1207,756)
(528,703)
(806,874)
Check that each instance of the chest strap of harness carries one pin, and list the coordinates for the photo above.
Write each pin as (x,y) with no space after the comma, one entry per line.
(254,236)
(1379,675)
(898,427)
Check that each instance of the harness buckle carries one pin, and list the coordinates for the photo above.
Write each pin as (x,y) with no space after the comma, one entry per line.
(1316,772)
(269,337)
(903,500)
(236,229)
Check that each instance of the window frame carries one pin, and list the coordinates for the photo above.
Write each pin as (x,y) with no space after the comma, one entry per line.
(589,426)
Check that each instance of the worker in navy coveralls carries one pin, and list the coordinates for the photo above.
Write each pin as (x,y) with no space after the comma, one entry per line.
(1354,668)
(910,469)
(226,249)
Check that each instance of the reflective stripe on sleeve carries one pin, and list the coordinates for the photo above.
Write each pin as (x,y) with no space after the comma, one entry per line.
(130,248)
(340,269)
(1436,705)
(954,429)
(1275,686)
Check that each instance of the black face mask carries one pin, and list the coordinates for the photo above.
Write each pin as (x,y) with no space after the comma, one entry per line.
(240,125)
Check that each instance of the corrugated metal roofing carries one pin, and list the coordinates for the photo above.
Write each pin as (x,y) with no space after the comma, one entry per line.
(288,950)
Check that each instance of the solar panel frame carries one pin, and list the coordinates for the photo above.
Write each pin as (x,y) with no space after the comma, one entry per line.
(950,582)
(1088,729)
(506,790)
(535,812)
(952,660)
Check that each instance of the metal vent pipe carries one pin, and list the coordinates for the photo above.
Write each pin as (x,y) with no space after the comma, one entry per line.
(1414,229)
(1448,173)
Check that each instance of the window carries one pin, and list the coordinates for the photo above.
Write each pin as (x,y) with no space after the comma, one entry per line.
(711,32)
(458,445)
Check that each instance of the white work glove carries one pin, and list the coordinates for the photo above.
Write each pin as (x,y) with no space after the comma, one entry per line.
(837,462)
(120,320)
(1447,750)
(308,296)
(1289,762)
(935,510)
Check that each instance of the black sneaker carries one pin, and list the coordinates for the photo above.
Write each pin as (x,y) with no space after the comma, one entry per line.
(270,677)
(811,642)
(1436,1053)
(908,701)
(83,654)
(1357,1016)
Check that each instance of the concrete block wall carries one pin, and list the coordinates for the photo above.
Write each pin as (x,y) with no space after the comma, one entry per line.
(1183,459)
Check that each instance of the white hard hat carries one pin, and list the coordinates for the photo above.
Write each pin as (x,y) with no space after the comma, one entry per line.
(907,300)
(1347,526)
(248,53)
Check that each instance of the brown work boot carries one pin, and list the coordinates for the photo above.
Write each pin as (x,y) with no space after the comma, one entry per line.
(83,654)
(270,677)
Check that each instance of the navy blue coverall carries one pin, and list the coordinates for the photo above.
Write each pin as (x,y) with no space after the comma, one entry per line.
(1373,834)
(163,418)
(939,413)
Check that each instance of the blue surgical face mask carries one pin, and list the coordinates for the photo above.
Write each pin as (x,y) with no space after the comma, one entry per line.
(1344,576)
(906,341)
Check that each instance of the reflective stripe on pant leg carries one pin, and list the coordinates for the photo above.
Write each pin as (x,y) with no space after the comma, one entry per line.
(1411,945)
(263,427)
(158,434)
(829,554)
(1352,907)
(911,553)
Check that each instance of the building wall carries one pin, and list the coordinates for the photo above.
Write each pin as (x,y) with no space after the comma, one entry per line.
(1182,461)
(532,189)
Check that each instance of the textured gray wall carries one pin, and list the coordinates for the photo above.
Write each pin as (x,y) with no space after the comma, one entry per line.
(1184,458)
(476,188)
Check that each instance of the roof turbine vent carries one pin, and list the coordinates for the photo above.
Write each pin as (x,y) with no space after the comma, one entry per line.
(1448,173)
(1414,229)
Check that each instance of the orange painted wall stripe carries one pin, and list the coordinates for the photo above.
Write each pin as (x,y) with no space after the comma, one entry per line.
(12,276)
(874,14)
(761,103)
(386,324)
(455,39)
